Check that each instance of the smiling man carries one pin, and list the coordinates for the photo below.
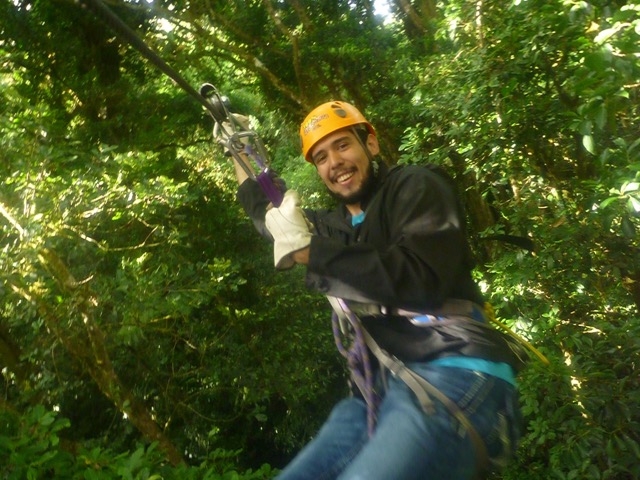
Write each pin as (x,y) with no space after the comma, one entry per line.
(439,400)
(344,169)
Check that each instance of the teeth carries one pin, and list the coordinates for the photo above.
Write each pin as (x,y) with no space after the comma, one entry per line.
(343,177)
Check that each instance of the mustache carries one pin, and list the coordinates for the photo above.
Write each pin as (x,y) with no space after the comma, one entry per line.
(366,188)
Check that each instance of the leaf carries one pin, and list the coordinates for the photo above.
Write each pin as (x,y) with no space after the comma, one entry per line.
(622,93)
(587,142)
(47,419)
(604,35)
(632,445)
(633,145)
(601,116)
(605,203)
(628,229)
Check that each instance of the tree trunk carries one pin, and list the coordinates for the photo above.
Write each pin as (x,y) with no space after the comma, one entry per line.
(477,208)
(86,344)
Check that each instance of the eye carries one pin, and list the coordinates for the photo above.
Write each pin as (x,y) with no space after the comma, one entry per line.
(320,159)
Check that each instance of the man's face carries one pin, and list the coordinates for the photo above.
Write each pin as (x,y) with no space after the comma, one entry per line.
(343,164)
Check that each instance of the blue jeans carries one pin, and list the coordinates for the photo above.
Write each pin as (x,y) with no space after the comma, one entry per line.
(409,444)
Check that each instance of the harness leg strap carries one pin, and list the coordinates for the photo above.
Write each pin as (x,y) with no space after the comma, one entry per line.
(424,392)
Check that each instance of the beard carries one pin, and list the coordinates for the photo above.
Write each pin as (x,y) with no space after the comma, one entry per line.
(366,188)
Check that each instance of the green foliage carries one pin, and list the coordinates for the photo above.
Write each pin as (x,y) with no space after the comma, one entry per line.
(580,417)
(172,296)
(134,288)
(30,448)
(532,112)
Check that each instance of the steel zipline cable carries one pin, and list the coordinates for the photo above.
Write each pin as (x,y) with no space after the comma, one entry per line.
(243,144)
(127,34)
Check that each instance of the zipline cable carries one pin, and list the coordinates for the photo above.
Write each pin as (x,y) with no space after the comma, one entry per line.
(132,38)
(238,141)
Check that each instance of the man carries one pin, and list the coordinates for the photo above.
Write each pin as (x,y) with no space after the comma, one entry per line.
(395,253)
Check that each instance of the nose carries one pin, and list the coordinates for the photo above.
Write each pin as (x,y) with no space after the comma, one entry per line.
(335,159)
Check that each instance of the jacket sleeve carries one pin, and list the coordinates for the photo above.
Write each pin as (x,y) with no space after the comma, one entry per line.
(254,203)
(418,258)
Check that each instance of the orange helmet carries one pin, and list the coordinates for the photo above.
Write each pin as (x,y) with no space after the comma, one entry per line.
(328,118)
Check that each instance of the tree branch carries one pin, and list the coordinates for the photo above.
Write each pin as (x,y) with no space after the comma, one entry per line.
(12,221)
(251,62)
(293,39)
(90,350)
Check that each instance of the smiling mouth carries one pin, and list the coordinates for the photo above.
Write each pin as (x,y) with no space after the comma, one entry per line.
(343,177)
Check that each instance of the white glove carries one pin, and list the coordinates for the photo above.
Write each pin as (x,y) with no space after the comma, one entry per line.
(290,230)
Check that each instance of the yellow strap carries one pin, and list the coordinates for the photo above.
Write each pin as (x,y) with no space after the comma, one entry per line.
(491,315)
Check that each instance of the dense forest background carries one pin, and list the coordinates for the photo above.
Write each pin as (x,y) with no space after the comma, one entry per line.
(143,330)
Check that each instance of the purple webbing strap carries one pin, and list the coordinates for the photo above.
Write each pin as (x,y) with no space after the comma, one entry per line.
(357,356)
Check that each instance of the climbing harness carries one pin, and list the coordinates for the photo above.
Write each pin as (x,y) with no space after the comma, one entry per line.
(242,143)
(357,356)
(361,374)
(347,327)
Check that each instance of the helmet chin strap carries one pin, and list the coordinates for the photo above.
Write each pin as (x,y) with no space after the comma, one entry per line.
(371,158)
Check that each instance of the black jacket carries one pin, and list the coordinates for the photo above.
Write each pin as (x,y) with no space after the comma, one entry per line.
(410,252)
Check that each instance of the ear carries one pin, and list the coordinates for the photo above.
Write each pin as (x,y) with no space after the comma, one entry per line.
(373,145)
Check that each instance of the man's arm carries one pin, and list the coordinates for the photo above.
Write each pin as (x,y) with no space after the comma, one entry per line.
(250,196)
(288,227)
(241,174)
(221,134)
